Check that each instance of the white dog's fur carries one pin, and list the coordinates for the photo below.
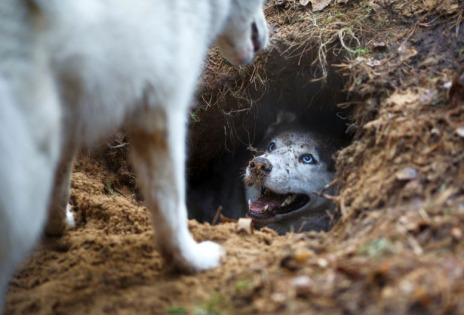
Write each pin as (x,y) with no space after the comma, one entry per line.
(71,71)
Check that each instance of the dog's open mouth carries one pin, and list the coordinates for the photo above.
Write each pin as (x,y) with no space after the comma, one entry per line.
(270,206)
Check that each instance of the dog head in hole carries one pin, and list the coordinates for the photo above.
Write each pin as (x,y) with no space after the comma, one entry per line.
(283,184)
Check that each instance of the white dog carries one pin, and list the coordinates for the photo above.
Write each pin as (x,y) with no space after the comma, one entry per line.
(71,71)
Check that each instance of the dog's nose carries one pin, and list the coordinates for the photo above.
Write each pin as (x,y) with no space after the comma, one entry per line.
(260,164)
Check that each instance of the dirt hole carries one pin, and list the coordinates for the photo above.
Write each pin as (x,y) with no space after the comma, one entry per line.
(398,245)
(226,131)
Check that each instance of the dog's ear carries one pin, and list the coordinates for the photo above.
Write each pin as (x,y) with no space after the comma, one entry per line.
(283,117)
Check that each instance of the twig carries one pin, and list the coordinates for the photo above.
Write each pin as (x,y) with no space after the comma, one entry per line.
(217,215)
(112,147)
(300,229)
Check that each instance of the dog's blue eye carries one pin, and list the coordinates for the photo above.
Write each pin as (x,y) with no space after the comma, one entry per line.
(308,159)
(271,146)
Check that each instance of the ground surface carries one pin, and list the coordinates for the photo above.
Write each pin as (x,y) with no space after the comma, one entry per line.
(398,247)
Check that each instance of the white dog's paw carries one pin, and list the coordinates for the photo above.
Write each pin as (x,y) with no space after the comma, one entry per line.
(69,221)
(205,255)
(211,254)
(60,221)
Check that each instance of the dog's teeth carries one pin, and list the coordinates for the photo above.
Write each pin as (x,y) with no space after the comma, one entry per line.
(266,207)
(288,200)
(249,203)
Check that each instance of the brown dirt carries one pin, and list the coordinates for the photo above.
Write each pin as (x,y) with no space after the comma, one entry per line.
(398,247)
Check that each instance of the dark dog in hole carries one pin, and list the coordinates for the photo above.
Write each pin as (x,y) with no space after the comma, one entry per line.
(282,183)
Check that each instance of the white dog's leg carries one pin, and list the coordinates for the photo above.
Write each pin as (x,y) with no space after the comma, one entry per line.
(27,164)
(60,216)
(158,156)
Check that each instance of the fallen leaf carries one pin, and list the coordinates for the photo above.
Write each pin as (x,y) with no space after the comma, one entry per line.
(447,85)
(302,255)
(427,96)
(280,3)
(319,5)
(404,98)
(371,62)
(277,297)
(376,8)
(406,52)
(449,6)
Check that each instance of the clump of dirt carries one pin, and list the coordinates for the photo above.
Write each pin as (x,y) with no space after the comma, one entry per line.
(398,245)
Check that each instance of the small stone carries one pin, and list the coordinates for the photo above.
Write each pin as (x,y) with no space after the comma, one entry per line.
(302,255)
(435,131)
(323,263)
(460,131)
(278,297)
(456,233)
(407,173)
(379,45)
(245,225)
(303,285)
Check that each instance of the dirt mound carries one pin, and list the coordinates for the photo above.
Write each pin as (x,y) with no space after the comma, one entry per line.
(398,245)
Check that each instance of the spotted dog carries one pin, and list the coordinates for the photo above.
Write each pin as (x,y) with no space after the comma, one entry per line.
(282,183)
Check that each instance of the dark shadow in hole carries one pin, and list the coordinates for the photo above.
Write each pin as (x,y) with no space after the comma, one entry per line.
(220,147)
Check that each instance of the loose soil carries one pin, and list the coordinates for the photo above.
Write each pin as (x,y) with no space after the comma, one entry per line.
(398,247)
